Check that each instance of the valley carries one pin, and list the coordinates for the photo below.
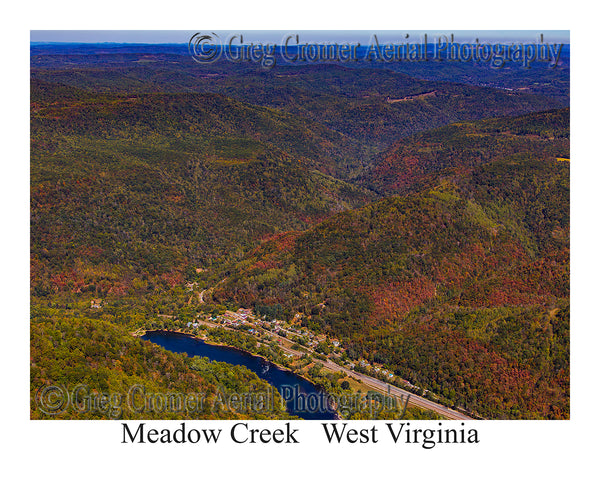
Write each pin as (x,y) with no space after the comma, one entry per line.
(379,229)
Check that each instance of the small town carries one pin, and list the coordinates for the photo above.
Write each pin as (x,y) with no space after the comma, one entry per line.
(295,342)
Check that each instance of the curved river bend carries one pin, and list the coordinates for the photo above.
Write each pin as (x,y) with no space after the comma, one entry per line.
(301,396)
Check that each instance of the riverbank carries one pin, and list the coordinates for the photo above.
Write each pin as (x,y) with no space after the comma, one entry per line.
(376,385)
(241,350)
(222,344)
(295,389)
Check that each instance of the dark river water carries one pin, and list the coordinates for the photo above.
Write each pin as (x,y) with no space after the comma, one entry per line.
(303,399)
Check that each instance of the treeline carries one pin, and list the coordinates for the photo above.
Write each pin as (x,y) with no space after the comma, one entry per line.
(187,121)
(148,187)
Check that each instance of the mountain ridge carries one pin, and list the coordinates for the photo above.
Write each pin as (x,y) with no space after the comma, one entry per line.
(491,242)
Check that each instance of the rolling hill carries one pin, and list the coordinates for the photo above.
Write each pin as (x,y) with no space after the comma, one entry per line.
(461,287)
(416,161)
(123,186)
(374,106)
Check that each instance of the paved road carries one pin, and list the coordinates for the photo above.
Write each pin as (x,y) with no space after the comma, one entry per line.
(376,384)
(399,392)
(393,390)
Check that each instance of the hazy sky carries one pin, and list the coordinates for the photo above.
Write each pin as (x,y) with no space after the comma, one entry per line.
(275,36)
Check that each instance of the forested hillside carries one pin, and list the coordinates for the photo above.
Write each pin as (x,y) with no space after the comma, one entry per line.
(156,185)
(87,357)
(424,223)
(416,161)
(462,287)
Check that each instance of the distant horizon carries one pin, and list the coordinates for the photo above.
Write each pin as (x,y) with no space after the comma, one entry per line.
(181,37)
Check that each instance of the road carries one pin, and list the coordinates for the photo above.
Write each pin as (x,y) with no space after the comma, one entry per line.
(399,392)
(387,388)
(371,382)
(382,386)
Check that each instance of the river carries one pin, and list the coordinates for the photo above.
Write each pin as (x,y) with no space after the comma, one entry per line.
(303,399)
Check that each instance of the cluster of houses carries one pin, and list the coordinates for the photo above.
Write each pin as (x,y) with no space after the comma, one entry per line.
(244,316)
(382,371)
(240,317)
(278,326)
